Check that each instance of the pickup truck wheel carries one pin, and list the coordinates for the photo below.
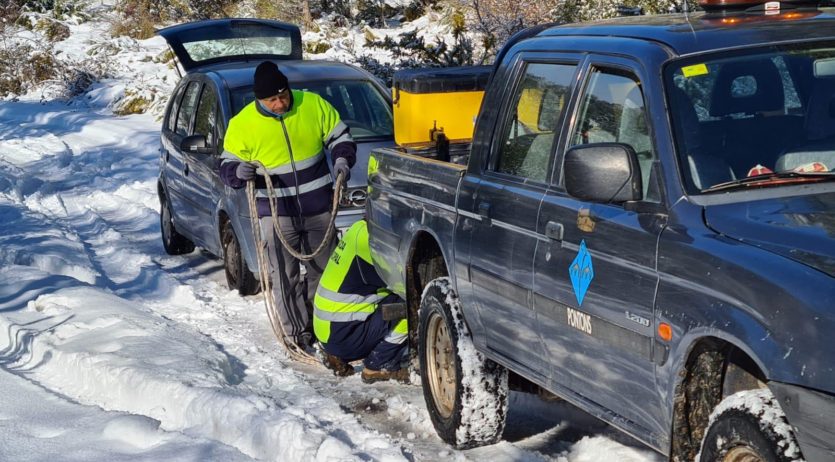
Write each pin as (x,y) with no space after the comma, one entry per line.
(238,275)
(173,242)
(465,393)
(749,426)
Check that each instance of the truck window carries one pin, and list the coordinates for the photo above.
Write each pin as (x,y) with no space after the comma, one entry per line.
(752,111)
(528,136)
(613,111)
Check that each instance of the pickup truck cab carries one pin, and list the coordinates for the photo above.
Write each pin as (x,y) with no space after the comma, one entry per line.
(645,227)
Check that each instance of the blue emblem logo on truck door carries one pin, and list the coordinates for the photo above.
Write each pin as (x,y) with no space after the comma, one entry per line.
(581,272)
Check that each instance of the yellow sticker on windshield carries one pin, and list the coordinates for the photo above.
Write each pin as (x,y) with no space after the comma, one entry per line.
(694,70)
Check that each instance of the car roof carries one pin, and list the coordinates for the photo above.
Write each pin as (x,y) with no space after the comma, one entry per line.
(240,74)
(708,31)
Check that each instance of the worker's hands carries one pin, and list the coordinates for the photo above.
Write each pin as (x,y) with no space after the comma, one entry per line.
(341,166)
(245,171)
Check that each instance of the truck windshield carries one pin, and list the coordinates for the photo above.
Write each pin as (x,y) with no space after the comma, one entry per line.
(756,113)
(359,103)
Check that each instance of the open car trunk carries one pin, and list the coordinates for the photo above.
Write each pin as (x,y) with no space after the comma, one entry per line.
(203,43)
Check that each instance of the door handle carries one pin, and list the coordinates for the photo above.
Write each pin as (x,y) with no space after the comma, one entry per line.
(166,155)
(185,170)
(554,230)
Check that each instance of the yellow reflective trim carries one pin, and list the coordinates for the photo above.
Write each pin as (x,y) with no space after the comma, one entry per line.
(322,329)
(253,136)
(325,304)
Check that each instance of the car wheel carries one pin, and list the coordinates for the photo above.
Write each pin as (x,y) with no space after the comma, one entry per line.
(173,242)
(749,426)
(465,393)
(238,275)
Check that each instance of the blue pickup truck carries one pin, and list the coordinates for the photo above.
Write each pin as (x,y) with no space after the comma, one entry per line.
(644,226)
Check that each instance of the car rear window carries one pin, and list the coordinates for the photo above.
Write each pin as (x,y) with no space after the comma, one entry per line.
(203,50)
(359,103)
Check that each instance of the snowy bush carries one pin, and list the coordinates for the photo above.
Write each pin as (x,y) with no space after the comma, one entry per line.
(53,30)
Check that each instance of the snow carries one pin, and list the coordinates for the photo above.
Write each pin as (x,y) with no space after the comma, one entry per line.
(763,405)
(112,350)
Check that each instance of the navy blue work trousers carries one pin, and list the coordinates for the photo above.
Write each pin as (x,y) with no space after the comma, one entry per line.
(350,341)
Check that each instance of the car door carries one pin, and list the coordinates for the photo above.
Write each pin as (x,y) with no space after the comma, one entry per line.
(503,202)
(595,276)
(202,184)
(183,207)
(171,162)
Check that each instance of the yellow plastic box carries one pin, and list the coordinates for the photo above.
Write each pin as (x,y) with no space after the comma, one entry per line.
(446,99)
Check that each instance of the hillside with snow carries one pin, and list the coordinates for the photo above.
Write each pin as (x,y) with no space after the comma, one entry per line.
(112,350)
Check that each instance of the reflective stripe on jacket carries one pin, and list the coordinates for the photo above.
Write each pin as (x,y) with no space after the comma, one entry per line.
(350,288)
(292,148)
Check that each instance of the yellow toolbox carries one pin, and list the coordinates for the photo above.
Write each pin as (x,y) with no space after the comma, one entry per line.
(437,100)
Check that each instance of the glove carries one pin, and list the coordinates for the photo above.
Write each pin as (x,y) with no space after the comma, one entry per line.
(245,171)
(341,166)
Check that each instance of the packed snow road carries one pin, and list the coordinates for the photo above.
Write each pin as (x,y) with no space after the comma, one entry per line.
(112,350)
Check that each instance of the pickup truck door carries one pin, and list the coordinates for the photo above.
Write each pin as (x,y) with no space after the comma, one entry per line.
(201,183)
(501,204)
(595,276)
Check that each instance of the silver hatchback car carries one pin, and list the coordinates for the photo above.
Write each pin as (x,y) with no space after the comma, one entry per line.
(219,59)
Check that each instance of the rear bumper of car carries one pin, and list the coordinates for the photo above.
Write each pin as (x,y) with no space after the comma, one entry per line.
(347,217)
(812,414)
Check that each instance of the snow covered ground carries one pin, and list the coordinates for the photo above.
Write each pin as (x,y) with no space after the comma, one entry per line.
(112,350)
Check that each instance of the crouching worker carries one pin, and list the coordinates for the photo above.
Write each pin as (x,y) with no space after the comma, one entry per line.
(348,318)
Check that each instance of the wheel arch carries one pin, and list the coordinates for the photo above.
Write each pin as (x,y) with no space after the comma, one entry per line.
(221,219)
(225,213)
(426,261)
(712,369)
(162,191)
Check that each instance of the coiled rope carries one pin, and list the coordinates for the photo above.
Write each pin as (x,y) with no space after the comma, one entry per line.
(293,350)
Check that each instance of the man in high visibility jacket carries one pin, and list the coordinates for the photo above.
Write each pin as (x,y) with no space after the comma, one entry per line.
(347,318)
(288,131)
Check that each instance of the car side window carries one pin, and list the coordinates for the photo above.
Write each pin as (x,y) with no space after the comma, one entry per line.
(528,136)
(613,110)
(207,115)
(187,108)
(171,123)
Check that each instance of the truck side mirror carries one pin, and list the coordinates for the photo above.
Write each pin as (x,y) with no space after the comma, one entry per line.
(603,172)
(196,144)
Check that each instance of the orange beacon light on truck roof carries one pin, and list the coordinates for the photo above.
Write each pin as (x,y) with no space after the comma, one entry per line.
(712,5)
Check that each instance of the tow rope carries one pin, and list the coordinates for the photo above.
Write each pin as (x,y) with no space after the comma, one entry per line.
(293,350)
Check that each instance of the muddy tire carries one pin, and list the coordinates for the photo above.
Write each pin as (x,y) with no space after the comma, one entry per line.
(465,393)
(173,242)
(749,426)
(238,275)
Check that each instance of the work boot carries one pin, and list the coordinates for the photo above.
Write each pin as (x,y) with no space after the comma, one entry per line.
(371,375)
(339,367)
(302,343)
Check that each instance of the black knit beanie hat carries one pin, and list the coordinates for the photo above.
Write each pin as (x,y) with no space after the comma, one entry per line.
(269,81)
